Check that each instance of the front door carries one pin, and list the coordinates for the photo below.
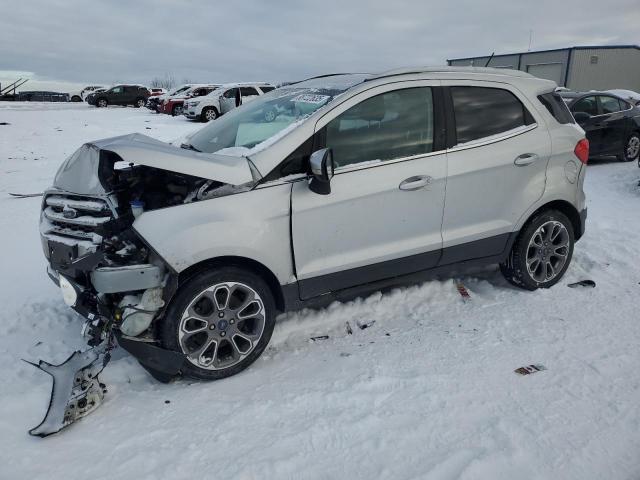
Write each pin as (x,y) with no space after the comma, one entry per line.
(228,100)
(383,215)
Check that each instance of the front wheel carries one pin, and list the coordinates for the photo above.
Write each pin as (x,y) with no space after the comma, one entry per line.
(542,252)
(177,110)
(101,103)
(140,102)
(221,320)
(209,114)
(631,149)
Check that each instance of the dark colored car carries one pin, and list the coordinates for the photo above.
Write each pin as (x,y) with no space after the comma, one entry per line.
(611,123)
(135,95)
(38,96)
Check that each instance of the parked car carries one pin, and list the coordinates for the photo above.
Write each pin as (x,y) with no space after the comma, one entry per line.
(80,95)
(155,92)
(135,95)
(42,96)
(174,104)
(189,253)
(611,123)
(153,103)
(224,99)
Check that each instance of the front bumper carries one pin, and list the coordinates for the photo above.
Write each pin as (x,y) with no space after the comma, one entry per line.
(191,114)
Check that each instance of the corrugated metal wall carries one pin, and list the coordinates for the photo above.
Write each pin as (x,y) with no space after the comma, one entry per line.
(614,68)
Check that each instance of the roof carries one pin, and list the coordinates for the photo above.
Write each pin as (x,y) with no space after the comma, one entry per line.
(449,69)
(582,47)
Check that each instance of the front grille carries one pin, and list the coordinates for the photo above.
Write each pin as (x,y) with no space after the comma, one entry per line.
(75,216)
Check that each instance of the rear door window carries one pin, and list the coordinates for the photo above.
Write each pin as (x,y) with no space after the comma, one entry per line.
(248,91)
(482,112)
(610,104)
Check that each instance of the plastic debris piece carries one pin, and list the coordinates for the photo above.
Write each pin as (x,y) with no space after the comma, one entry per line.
(320,337)
(362,325)
(349,329)
(583,283)
(529,369)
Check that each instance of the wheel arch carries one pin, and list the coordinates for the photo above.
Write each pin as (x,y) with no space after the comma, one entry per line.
(242,262)
(562,206)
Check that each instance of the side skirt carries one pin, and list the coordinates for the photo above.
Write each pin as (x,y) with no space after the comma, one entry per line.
(459,257)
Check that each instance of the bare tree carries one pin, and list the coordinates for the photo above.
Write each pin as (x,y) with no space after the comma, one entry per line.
(167,81)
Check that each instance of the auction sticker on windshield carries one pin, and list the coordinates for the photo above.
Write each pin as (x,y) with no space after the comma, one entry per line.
(310,98)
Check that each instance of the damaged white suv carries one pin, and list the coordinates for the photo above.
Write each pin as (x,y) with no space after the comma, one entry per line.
(321,190)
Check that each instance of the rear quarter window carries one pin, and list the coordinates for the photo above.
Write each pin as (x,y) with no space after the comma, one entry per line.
(557,107)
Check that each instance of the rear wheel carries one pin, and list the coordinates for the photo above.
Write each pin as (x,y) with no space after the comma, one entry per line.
(102,102)
(542,252)
(631,149)
(208,114)
(221,320)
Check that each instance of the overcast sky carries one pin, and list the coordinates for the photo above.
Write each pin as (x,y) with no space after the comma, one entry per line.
(83,42)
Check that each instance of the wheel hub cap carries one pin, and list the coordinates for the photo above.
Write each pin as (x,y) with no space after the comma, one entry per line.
(633,147)
(548,251)
(221,325)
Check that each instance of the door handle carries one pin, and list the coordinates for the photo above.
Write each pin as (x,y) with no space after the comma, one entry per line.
(525,159)
(415,183)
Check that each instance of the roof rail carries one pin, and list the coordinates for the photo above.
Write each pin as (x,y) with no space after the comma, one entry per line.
(447,69)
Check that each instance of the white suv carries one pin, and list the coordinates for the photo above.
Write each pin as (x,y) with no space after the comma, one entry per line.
(321,190)
(224,99)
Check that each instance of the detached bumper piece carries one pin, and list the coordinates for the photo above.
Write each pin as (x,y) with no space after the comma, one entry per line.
(76,390)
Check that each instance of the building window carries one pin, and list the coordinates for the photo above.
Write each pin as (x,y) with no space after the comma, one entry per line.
(594,59)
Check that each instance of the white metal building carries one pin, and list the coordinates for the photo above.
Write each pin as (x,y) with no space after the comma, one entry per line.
(577,68)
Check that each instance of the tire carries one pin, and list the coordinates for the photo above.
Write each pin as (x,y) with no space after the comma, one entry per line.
(529,266)
(270,115)
(219,341)
(76,98)
(631,148)
(140,102)
(102,103)
(176,110)
(208,114)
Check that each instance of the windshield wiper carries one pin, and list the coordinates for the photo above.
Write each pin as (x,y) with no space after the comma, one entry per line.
(188,146)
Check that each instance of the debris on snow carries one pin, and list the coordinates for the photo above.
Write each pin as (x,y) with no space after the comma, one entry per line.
(583,283)
(529,369)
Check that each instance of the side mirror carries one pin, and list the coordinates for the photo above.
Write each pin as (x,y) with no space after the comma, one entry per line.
(321,162)
(581,117)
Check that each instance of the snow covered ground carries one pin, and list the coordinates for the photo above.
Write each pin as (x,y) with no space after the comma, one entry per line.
(428,391)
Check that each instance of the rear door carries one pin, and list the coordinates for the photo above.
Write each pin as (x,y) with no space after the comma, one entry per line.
(496,167)
(613,124)
(384,213)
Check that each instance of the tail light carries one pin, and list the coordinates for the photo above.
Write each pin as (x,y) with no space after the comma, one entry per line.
(582,150)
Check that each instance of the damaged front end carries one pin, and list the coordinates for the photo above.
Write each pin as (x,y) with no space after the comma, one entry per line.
(106,272)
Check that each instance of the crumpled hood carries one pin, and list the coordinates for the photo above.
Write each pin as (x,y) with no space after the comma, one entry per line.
(79,173)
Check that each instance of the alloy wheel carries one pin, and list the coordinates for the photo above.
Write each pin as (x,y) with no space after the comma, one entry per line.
(210,115)
(548,251)
(221,325)
(633,147)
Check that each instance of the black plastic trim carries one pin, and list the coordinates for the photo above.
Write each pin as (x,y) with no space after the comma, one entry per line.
(405,271)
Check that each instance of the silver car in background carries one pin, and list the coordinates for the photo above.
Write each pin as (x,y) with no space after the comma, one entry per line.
(320,190)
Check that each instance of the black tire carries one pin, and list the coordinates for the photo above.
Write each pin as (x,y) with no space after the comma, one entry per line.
(208,114)
(102,102)
(631,148)
(140,102)
(515,268)
(176,110)
(76,98)
(170,326)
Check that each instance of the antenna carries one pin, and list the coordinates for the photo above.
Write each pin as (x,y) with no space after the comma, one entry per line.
(488,61)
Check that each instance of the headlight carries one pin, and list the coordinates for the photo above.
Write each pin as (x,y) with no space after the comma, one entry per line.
(69,293)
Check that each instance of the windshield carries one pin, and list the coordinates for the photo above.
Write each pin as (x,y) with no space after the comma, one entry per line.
(242,131)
